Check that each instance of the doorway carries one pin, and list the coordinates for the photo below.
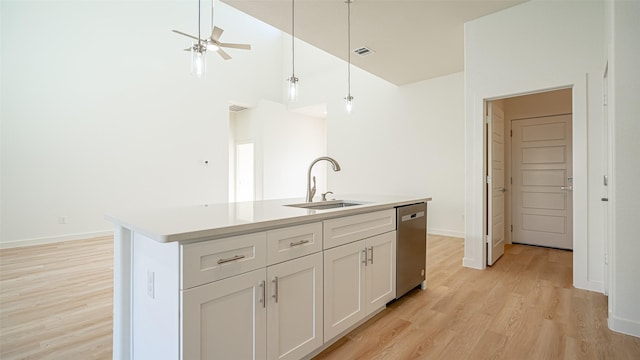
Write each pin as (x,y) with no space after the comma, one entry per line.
(529,195)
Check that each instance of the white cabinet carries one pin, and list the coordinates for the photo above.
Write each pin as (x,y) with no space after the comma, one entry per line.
(343,288)
(207,261)
(294,307)
(359,278)
(271,313)
(347,229)
(225,319)
(380,270)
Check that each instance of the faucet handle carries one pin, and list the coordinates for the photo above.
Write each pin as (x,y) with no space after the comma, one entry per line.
(324,195)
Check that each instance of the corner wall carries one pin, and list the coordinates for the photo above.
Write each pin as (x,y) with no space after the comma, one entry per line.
(509,53)
(623,34)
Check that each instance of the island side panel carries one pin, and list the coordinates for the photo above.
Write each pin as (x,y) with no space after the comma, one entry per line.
(155,299)
(121,293)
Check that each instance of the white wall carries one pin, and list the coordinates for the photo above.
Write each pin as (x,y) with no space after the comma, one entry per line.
(623,33)
(286,143)
(99,110)
(536,46)
(405,140)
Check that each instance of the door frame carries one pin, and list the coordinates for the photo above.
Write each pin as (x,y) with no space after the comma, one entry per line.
(475,194)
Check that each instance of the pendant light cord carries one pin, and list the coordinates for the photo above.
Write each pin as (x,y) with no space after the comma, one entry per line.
(349,47)
(293,38)
(199,37)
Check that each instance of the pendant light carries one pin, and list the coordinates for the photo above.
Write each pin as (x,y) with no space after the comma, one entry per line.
(292,90)
(198,51)
(348,99)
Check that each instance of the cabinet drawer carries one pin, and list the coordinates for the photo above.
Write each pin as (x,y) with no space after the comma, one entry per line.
(218,259)
(352,228)
(292,242)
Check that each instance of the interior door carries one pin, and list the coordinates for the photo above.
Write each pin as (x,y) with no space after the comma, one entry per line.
(542,181)
(495,182)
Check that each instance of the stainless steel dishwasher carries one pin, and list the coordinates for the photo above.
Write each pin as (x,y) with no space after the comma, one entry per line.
(411,247)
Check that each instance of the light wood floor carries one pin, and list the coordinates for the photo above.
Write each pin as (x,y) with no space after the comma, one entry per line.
(56,300)
(55,303)
(523,307)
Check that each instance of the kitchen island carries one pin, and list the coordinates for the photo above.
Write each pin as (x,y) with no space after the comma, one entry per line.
(250,280)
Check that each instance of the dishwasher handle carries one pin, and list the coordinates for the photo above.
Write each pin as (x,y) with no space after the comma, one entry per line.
(413,216)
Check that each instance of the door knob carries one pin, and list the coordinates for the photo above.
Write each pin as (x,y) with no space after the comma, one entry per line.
(502,190)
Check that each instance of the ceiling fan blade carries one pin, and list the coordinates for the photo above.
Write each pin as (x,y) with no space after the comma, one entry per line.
(235,46)
(216,33)
(223,54)
(184,34)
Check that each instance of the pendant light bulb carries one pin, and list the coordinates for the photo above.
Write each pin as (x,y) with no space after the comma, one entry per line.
(348,103)
(198,60)
(293,88)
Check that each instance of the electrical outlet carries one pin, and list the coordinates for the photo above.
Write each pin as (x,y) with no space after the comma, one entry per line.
(63,219)
(151,284)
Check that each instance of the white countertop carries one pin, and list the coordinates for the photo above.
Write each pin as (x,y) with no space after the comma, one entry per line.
(216,220)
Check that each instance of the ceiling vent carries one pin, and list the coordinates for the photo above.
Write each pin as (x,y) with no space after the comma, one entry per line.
(236,108)
(363,51)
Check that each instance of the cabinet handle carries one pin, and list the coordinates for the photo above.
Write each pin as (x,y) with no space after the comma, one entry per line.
(264,294)
(371,258)
(297,243)
(364,261)
(275,282)
(233,258)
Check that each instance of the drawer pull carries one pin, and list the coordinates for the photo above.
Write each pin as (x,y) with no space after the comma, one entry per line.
(233,258)
(298,243)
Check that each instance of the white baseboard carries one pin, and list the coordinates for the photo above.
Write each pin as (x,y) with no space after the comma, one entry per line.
(445,232)
(53,239)
(624,326)
(597,286)
(472,263)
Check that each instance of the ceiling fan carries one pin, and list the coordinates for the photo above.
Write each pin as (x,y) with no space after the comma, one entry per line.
(213,43)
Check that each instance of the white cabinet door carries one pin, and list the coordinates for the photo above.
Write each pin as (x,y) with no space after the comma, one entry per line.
(294,307)
(380,270)
(225,319)
(344,298)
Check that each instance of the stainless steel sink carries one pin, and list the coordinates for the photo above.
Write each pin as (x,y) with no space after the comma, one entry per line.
(325,204)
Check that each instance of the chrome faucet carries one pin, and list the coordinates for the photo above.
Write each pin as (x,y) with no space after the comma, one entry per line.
(311,191)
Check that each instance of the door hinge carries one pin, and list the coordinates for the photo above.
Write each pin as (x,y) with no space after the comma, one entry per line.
(487,238)
(511,133)
(488,179)
(604,100)
(511,228)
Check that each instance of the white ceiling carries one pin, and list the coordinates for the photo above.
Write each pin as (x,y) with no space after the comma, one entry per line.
(413,40)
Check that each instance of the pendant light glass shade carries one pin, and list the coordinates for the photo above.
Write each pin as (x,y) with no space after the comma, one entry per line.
(293,88)
(348,103)
(198,60)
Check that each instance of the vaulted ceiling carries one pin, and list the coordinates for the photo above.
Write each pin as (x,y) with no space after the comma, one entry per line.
(412,40)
